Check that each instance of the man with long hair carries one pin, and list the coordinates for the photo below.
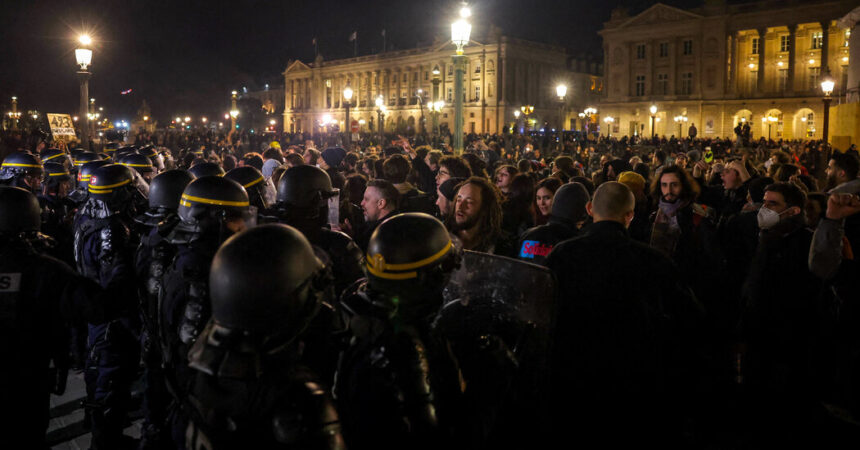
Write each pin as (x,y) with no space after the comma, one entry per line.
(476,217)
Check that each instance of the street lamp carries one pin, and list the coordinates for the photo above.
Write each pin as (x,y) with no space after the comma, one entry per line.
(680,121)
(526,110)
(770,122)
(561,92)
(347,98)
(653,110)
(380,111)
(460,31)
(84,57)
(15,114)
(587,113)
(609,120)
(419,94)
(437,108)
(234,110)
(827,85)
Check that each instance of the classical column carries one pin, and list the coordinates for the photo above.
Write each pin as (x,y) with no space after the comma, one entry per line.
(825,43)
(760,87)
(792,56)
(734,48)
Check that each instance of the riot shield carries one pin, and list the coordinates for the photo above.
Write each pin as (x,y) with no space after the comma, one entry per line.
(498,314)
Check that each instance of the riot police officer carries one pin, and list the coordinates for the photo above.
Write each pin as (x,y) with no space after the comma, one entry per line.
(39,296)
(22,170)
(266,286)
(205,169)
(140,164)
(58,210)
(303,202)
(397,383)
(211,209)
(104,246)
(153,257)
(261,192)
(81,192)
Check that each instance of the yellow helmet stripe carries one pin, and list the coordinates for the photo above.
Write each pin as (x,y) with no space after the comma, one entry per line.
(416,264)
(58,174)
(187,199)
(110,186)
(136,165)
(54,156)
(253,182)
(391,276)
(5,164)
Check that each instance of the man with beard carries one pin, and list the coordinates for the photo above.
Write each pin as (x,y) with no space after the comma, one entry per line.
(684,231)
(379,203)
(477,217)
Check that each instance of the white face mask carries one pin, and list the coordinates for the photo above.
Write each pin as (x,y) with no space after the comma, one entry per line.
(767,218)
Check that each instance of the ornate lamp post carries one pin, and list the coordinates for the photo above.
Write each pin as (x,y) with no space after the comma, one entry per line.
(15,114)
(234,110)
(653,110)
(516,117)
(347,98)
(561,92)
(587,113)
(827,85)
(680,121)
(437,108)
(609,120)
(380,112)
(526,110)
(84,57)
(770,122)
(420,95)
(460,31)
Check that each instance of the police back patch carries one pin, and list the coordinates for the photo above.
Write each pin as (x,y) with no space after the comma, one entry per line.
(10,282)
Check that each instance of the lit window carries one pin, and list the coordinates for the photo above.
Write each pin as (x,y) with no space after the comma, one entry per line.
(783,43)
(817,39)
(755,44)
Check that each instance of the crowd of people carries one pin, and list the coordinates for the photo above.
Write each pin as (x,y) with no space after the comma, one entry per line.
(295,290)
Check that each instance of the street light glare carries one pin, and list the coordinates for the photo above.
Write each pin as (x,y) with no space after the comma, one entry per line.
(653,109)
(561,90)
(465,12)
(85,39)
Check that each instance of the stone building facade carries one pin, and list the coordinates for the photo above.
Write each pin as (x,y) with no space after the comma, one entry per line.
(722,64)
(502,75)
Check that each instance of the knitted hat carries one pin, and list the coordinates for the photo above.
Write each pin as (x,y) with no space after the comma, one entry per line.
(447,188)
(333,156)
(633,180)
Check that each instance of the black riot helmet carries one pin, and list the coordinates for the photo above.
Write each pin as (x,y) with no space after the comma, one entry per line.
(20,164)
(303,193)
(254,183)
(85,157)
(55,155)
(19,211)
(206,169)
(266,285)
(112,184)
(205,207)
(55,175)
(86,171)
(304,187)
(137,162)
(411,256)
(164,193)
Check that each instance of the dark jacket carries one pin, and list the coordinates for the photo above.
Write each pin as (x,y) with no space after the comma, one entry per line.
(625,342)
(536,243)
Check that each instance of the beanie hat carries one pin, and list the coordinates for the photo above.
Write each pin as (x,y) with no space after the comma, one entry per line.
(633,180)
(447,188)
(333,156)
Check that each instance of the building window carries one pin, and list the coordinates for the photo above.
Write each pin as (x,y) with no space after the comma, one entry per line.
(688,47)
(817,39)
(663,83)
(640,85)
(640,51)
(755,45)
(477,66)
(664,49)
(782,80)
(414,76)
(426,76)
(687,83)
(477,93)
(450,70)
(403,80)
(783,43)
(814,73)
(450,96)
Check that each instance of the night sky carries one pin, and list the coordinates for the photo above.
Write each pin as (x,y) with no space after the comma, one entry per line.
(184,57)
